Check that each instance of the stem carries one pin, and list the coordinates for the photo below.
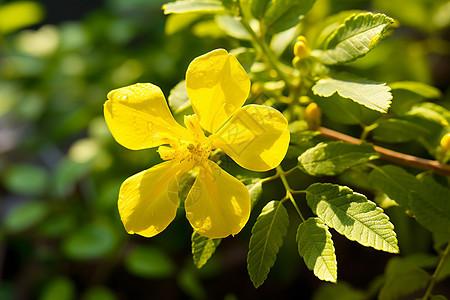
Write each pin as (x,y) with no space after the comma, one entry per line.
(289,191)
(390,155)
(261,45)
(436,273)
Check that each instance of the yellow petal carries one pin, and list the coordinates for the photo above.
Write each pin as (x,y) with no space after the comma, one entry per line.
(256,137)
(148,201)
(217,85)
(218,204)
(138,117)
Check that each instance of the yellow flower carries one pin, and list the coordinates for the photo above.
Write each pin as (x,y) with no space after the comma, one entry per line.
(255,137)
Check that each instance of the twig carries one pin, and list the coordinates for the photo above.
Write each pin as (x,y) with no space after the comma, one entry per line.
(397,157)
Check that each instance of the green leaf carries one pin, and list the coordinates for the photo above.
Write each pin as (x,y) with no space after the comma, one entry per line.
(26,180)
(339,291)
(267,237)
(404,275)
(255,191)
(188,6)
(398,131)
(259,7)
(438,297)
(149,262)
(178,22)
(25,215)
(283,14)
(58,288)
(430,112)
(89,242)
(352,215)
(394,182)
(99,293)
(341,110)
(282,40)
(373,95)
(357,36)
(332,158)
(316,248)
(419,88)
(178,98)
(232,27)
(430,205)
(202,248)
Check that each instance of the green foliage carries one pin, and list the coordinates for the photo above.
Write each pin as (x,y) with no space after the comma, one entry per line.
(352,215)
(316,248)
(187,6)
(149,262)
(333,158)
(202,248)
(371,94)
(356,37)
(267,237)
(59,288)
(25,216)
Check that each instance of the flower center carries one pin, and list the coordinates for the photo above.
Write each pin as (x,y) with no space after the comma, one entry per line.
(195,148)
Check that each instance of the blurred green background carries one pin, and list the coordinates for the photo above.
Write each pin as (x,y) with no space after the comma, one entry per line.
(60,169)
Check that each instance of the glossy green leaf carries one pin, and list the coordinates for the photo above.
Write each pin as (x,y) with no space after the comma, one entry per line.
(394,182)
(398,131)
(332,158)
(149,262)
(25,215)
(316,247)
(267,237)
(357,36)
(373,95)
(202,248)
(283,14)
(188,6)
(430,205)
(352,215)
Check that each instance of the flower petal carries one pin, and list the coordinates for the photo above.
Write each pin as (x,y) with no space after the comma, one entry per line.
(148,201)
(256,137)
(138,117)
(217,85)
(218,204)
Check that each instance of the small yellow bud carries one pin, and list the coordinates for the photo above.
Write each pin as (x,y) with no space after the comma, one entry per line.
(301,49)
(313,115)
(445,142)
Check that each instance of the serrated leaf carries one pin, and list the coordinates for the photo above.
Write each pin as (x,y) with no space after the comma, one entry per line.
(431,206)
(352,215)
(283,14)
(316,248)
(332,158)
(373,95)
(267,237)
(188,6)
(394,182)
(398,131)
(202,248)
(357,36)
(341,110)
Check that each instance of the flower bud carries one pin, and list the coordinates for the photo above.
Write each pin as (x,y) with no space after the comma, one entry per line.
(445,142)
(313,115)
(301,49)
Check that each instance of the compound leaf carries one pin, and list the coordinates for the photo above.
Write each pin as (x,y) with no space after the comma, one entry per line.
(352,215)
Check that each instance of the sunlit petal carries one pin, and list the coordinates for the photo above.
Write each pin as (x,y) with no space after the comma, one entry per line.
(218,204)
(148,201)
(256,137)
(217,86)
(138,117)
